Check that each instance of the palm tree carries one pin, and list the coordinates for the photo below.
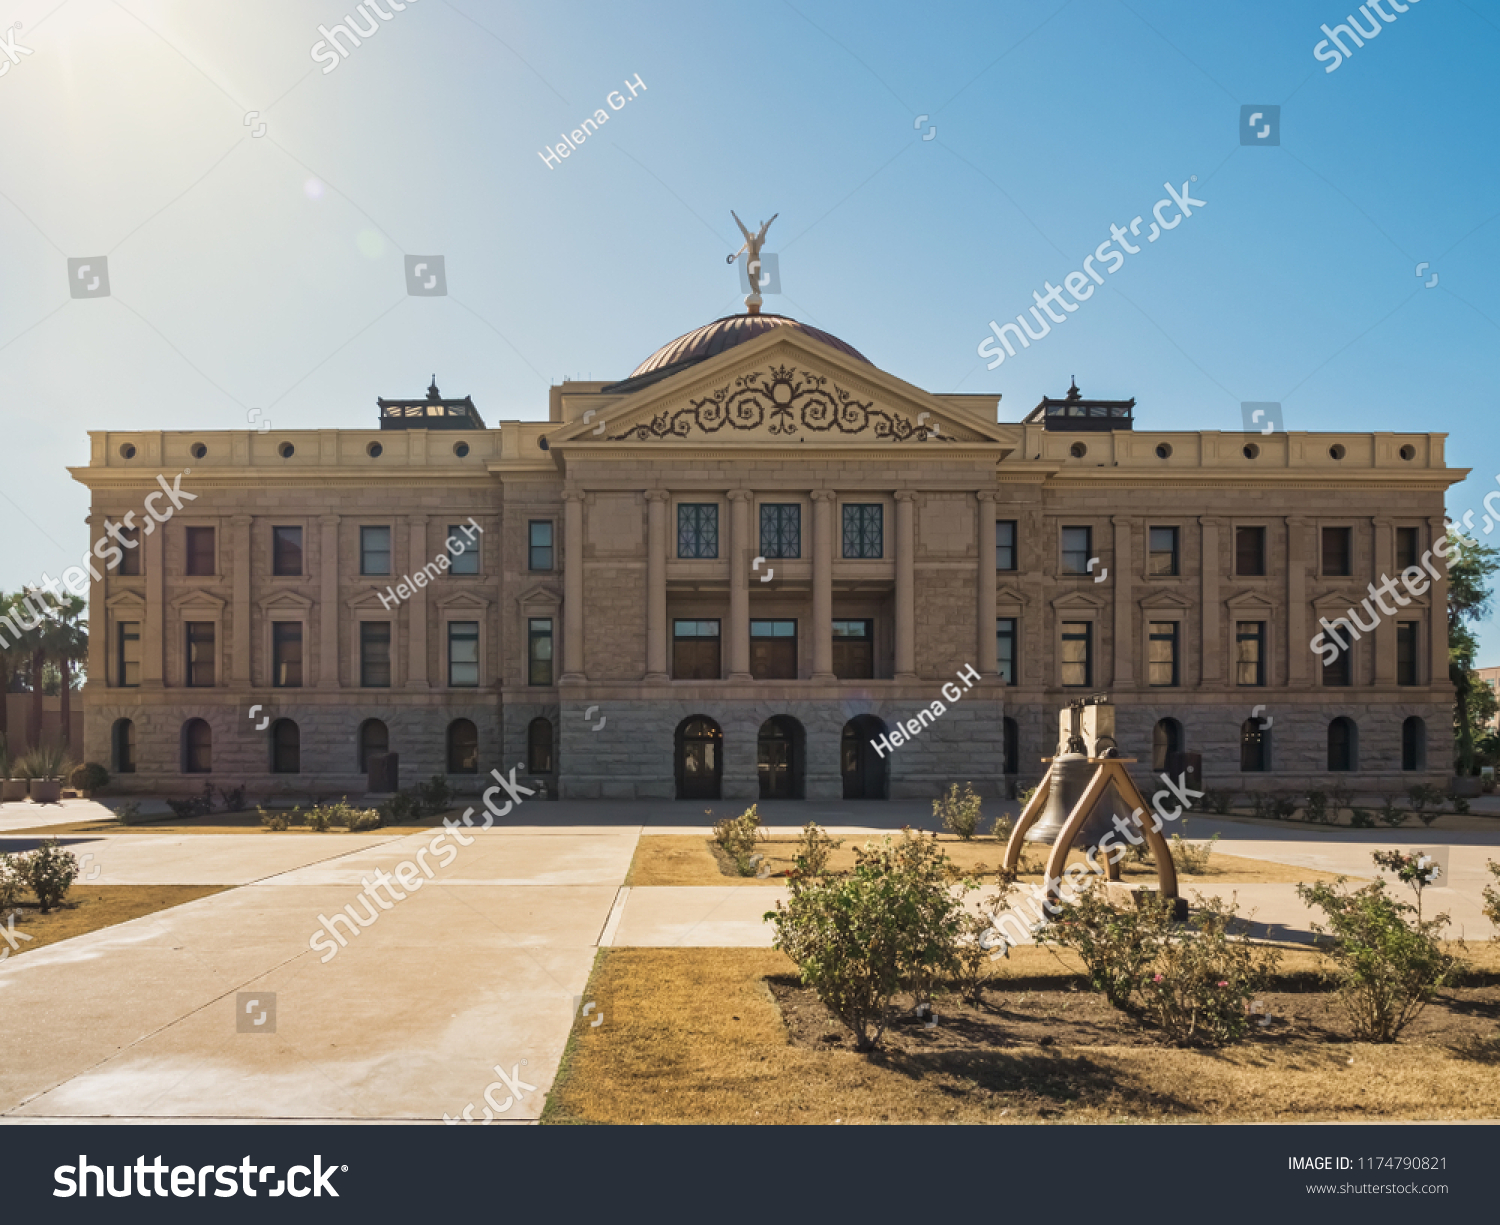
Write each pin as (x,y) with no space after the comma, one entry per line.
(10,657)
(66,640)
(29,611)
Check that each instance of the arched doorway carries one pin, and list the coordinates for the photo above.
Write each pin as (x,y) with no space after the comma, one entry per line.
(866,772)
(463,747)
(1166,739)
(286,747)
(1342,745)
(699,758)
(1414,744)
(778,758)
(374,739)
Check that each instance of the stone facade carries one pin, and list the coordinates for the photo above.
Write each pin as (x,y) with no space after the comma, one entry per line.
(777,418)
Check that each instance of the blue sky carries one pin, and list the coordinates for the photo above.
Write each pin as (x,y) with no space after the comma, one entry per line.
(267,272)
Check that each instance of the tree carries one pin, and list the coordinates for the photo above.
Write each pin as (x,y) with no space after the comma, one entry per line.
(1470,566)
(67,642)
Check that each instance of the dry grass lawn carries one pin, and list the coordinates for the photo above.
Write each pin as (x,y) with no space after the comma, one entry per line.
(217,823)
(89,908)
(698,1036)
(689,859)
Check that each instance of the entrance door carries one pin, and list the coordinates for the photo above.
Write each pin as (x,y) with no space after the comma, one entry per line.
(865,771)
(774,752)
(700,759)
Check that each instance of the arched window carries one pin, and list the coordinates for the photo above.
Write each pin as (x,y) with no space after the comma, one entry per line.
(539,746)
(1010,733)
(122,739)
(699,752)
(197,747)
(286,747)
(1342,744)
(1414,744)
(1165,740)
(373,739)
(1255,746)
(463,747)
(779,753)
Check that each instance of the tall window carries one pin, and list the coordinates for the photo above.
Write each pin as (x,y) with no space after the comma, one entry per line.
(463,653)
(1164,550)
(539,746)
(1414,744)
(773,650)
(374,739)
(200,551)
(539,544)
(1005,544)
(1338,551)
(1408,547)
(864,529)
(1250,551)
(124,745)
(463,549)
(1078,653)
(1406,652)
(130,563)
(1005,648)
(695,650)
(463,747)
(1338,672)
(374,550)
(286,654)
(1166,740)
(1163,658)
(200,653)
(854,650)
(1077,548)
(1250,652)
(286,747)
(697,529)
(1255,746)
(375,654)
(780,529)
(286,550)
(1341,744)
(197,747)
(539,651)
(129,670)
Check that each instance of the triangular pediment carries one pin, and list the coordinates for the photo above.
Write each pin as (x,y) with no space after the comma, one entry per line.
(539,596)
(1250,602)
(285,601)
(1164,599)
(199,602)
(1080,600)
(125,602)
(781,389)
(463,601)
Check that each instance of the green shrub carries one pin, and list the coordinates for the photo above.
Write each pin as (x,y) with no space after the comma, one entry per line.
(1412,869)
(318,819)
(1390,811)
(365,819)
(1460,804)
(1116,945)
(434,795)
(276,821)
(974,959)
(959,813)
(1492,897)
(1284,807)
(1317,807)
(738,837)
(1025,794)
(1262,805)
(46,762)
(233,798)
(50,872)
(813,850)
(1002,829)
(1361,818)
(1192,858)
(1339,798)
(90,777)
(128,813)
(199,806)
(1199,986)
(1422,796)
(1388,961)
(12,881)
(1216,800)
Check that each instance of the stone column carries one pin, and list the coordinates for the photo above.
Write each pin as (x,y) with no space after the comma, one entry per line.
(1211,651)
(240,671)
(98,615)
(1382,562)
(985,647)
(1437,620)
(572,588)
(658,502)
(328,602)
(1298,654)
(154,631)
(741,552)
(906,585)
(823,503)
(1124,622)
(416,607)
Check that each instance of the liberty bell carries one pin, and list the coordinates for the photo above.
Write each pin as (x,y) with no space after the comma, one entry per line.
(1084,728)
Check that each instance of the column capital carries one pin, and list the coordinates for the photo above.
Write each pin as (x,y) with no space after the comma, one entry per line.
(658,495)
(822,495)
(1383,521)
(1298,521)
(985,495)
(572,495)
(740,495)
(417,520)
(241,520)
(1210,520)
(906,495)
(1122,520)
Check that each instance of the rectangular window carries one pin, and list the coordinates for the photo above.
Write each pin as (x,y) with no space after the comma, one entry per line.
(854,650)
(1338,552)
(200,551)
(697,529)
(1408,547)
(1163,657)
(1338,672)
(130,563)
(695,650)
(286,654)
(1077,548)
(1005,544)
(539,651)
(780,529)
(129,671)
(375,653)
(864,529)
(463,654)
(1005,649)
(1078,653)
(539,544)
(1406,652)
(1250,652)
(286,551)
(1250,551)
(1163,550)
(773,650)
(463,549)
(374,550)
(200,653)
